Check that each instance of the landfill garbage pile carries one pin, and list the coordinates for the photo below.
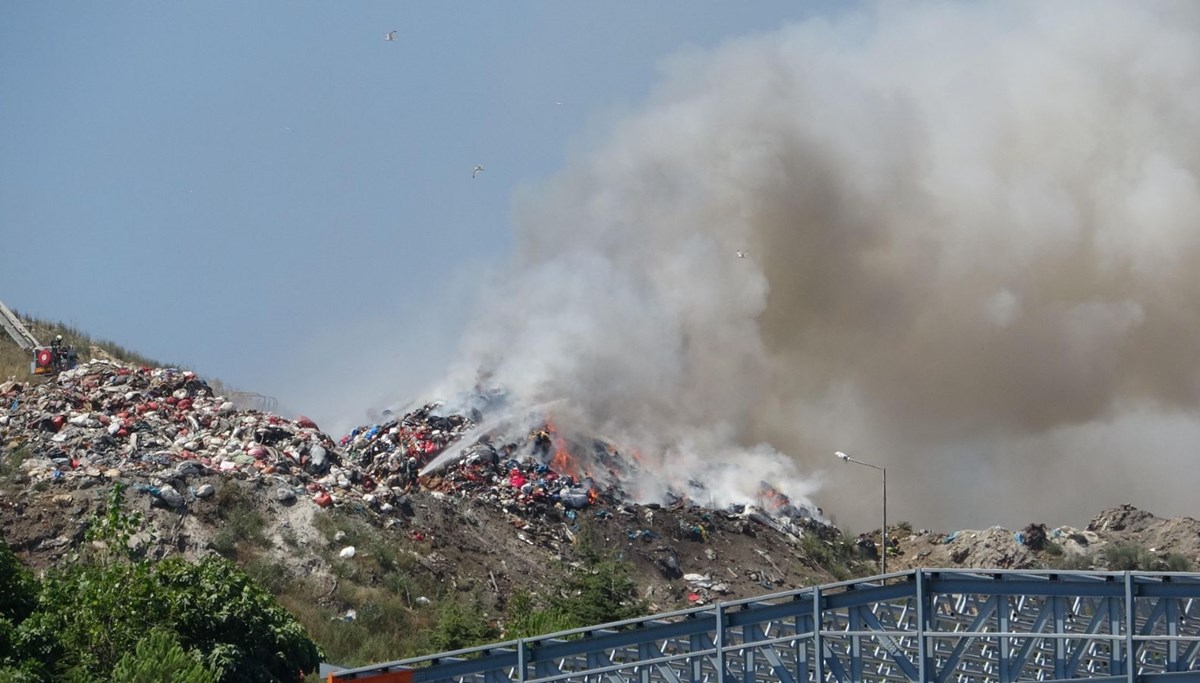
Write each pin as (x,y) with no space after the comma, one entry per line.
(528,472)
(105,421)
(503,507)
(497,509)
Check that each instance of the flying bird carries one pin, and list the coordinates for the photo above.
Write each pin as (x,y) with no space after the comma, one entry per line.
(391,35)
(742,254)
(477,171)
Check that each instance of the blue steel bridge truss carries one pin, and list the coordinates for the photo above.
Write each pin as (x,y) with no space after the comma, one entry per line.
(934,625)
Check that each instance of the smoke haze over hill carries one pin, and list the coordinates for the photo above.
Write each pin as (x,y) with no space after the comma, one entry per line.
(972,234)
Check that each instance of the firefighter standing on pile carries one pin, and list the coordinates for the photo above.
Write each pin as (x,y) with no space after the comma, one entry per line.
(63,354)
(541,442)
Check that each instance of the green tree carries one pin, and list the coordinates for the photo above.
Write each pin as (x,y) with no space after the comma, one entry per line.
(460,625)
(602,589)
(159,658)
(92,615)
(89,616)
(217,608)
(115,527)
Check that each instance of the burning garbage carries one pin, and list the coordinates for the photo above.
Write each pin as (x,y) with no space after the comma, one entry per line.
(167,429)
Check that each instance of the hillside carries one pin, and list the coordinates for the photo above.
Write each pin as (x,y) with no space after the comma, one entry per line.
(379,564)
(14,363)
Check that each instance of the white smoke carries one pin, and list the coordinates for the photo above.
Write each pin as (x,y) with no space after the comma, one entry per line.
(972,230)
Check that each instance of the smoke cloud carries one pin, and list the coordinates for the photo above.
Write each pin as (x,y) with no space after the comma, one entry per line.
(972,234)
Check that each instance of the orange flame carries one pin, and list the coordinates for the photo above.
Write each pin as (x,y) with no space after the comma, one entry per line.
(562,462)
(773,498)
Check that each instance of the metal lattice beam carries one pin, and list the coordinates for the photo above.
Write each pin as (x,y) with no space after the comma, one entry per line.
(16,329)
(935,625)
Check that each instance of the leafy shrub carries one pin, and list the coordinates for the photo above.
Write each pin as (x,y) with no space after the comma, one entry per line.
(1072,561)
(385,628)
(602,589)
(460,624)
(12,674)
(838,557)
(18,589)
(241,521)
(115,527)
(159,658)
(92,615)
(1173,562)
(18,599)
(527,620)
(1125,556)
(273,577)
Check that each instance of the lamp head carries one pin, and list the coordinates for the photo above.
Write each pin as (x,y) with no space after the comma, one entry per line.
(842,456)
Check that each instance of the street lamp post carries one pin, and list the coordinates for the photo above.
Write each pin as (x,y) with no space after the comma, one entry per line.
(846,458)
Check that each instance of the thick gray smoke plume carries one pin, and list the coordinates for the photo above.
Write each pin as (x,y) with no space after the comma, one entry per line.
(973,236)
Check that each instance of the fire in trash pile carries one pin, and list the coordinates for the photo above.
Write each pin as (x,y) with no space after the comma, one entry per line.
(104,420)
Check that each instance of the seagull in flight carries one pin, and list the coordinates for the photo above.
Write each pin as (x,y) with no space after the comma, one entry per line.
(742,253)
(477,171)
(391,36)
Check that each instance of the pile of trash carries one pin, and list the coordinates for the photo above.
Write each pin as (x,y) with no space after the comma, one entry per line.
(524,473)
(104,421)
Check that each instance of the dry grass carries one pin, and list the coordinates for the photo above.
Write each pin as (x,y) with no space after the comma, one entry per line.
(14,363)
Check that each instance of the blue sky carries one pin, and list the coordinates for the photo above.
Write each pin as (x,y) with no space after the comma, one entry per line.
(273,194)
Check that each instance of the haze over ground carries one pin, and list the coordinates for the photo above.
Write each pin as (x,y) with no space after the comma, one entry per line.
(970,227)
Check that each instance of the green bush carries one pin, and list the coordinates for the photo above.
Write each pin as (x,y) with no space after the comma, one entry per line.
(92,615)
(18,599)
(1173,562)
(272,576)
(527,620)
(241,521)
(1072,561)
(115,527)
(1124,556)
(12,674)
(838,557)
(385,628)
(159,658)
(461,624)
(601,590)
(18,589)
